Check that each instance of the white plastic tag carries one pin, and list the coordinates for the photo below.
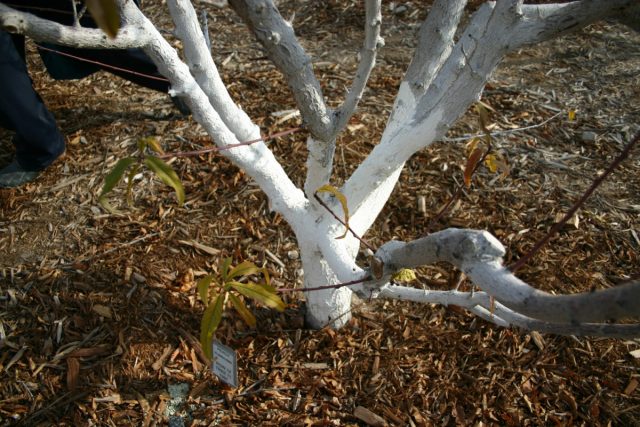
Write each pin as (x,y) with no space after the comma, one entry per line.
(225,363)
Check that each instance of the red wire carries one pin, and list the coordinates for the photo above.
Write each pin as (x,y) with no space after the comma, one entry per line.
(162,79)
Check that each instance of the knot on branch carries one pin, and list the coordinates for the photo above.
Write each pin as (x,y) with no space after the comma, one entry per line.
(478,246)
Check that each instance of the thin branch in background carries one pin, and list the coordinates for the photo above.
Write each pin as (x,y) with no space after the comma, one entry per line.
(455,195)
(204,25)
(502,132)
(345,313)
(228,147)
(595,184)
(108,251)
(76,18)
(324,205)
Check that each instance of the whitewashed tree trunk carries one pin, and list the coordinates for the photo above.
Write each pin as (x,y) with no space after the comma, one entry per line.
(446,75)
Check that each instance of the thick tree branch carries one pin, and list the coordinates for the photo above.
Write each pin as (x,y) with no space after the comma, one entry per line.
(435,42)
(493,31)
(480,304)
(372,41)
(198,56)
(543,22)
(278,38)
(319,164)
(458,84)
(129,36)
(479,255)
(321,152)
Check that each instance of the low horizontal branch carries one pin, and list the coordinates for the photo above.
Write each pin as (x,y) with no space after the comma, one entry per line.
(479,255)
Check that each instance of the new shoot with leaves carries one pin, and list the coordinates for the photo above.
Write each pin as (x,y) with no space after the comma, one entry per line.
(158,166)
(232,285)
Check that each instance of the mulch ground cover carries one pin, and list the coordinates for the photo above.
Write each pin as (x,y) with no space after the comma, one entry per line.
(99,312)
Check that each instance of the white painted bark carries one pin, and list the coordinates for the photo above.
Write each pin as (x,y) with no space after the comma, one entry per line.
(130,35)
(479,255)
(197,53)
(330,307)
(444,78)
(277,37)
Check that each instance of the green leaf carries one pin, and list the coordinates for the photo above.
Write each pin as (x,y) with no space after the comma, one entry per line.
(203,287)
(245,268)
(260,294)
(343,201)
(106,15)
(112,179)
(224,269)
(210,321)
(167,175)
(242,310)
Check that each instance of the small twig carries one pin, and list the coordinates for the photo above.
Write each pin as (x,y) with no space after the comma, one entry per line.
(321,288)
(76,18)
(595,184)
(53,407)
(115,248)
(228,147)
(456,194)
(501,132)
(204,25)
(324,205)
(337,318)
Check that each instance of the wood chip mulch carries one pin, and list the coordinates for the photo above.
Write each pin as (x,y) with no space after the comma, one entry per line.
(98,312)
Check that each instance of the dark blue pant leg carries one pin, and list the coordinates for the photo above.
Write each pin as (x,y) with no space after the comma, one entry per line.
(38,141)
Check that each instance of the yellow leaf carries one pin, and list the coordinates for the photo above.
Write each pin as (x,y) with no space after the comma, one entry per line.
(106,15)
(166,175)
(343,201)
(267,279)
(112,179)
(491,162)
(572,115)
(245,268)
(483,116)
(495,163)
(153,143)
(404,275)
(224,268)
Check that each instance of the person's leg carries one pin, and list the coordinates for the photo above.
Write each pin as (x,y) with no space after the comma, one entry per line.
(38,141)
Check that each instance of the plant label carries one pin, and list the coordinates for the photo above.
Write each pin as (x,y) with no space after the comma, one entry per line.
(225,363)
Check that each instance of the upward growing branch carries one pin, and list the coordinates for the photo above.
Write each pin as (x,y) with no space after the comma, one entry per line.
(278,38)
(197,53)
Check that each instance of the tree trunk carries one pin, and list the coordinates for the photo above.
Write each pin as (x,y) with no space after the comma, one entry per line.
(327,307)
